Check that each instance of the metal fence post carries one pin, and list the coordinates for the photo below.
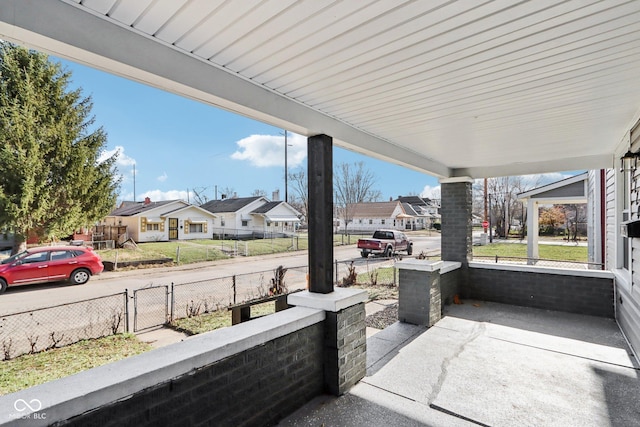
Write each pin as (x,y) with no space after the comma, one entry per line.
(126,310)
(173,304)
(336,261)
(233,286)
(178,255)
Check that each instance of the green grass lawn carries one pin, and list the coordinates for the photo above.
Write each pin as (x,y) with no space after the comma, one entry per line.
(218,319)
(33,369)
(210,249)
(552,252)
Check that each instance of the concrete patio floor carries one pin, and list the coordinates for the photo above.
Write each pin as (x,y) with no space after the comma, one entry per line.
(490,364)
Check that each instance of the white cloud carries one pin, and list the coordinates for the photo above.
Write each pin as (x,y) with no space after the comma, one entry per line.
(163,177)
(159,195)
(123,159)
(430,192)
(268,150)
(124,163)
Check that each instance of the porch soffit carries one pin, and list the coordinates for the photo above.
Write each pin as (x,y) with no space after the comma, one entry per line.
(447,88)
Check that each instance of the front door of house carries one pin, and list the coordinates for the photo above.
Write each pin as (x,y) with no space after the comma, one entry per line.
(173,228)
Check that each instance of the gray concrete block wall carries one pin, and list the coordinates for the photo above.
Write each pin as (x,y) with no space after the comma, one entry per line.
(253,388)
(456,243)
(419,297)
(573,294)
(345,349)
(450,286)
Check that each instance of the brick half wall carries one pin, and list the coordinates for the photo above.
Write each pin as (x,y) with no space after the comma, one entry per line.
(254,388)
(572,291)
(252,374)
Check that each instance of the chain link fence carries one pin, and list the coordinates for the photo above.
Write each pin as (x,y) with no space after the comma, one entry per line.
(51,327)
(150,307)
(61,325)
(195,298)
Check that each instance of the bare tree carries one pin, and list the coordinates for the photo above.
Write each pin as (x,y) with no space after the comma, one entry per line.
(300,198)
(352,184)
(504,203)
(226,192)
(257,193)
(199,195)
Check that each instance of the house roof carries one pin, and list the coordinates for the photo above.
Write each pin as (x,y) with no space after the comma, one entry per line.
(374,209)
(266,207)
(449,88)
(414,200)
(271,213)
(569,190)
(135,208)
(230,205)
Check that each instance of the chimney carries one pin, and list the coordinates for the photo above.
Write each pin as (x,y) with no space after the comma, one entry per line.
(275,196)
(147,200)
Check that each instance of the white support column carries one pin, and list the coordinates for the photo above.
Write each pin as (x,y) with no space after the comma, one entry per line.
(532,230)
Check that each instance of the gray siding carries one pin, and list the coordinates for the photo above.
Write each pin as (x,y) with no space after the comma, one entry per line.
(610,211)
(627,297)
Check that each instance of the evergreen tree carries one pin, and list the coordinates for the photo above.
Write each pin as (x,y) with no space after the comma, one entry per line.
(52,180)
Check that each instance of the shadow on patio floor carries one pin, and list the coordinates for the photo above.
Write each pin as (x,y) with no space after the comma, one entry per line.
(490,364)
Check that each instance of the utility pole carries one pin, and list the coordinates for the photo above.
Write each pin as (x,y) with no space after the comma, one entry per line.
(485,203)
(286,172)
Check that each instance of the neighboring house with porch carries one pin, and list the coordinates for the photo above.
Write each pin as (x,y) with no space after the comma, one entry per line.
(370,216)
(164,220)
(426,212)
(244,217)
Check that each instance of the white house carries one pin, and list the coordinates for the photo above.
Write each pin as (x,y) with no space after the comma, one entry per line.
(252,217)
(162,221)
(369,216)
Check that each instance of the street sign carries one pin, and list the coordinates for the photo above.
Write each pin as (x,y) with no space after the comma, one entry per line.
(485,224)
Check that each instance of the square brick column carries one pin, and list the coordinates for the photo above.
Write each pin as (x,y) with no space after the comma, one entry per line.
(456,209)
(422,286)
(345,338)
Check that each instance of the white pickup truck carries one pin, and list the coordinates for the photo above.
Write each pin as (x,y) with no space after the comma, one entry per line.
(385,242)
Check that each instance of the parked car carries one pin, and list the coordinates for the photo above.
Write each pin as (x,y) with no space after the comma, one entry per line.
(386,243)
(50,264)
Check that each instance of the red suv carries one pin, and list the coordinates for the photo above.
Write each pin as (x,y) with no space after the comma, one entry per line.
(50,264)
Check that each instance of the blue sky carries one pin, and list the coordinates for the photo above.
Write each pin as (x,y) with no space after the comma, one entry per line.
(178,144)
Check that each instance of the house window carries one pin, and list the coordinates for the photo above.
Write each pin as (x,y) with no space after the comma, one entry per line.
(195,228)
(222,222)
(153,227)
(245,223)
(382,221)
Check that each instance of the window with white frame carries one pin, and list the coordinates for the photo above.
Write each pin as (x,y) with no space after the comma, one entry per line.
(153,226)
(196,228)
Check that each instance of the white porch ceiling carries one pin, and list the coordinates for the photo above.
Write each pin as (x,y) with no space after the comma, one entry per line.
(451,88)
